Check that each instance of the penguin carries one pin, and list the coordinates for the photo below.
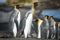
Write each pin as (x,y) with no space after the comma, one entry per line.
(9,27)
(16,20)
(53,27)
(39,22)
(29,18)
(18,16)
(46,18)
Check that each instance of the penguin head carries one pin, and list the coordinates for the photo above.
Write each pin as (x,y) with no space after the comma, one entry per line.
(51,17)
(34,5)
(38,20)
(46,16)
(17,6)
(56,23)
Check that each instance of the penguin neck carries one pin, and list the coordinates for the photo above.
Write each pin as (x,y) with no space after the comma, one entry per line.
(33,10)
(15,8)
(52,20)
(39,23)
(47,22)
(46,19)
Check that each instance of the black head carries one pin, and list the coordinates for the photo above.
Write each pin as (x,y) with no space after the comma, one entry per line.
(46,16)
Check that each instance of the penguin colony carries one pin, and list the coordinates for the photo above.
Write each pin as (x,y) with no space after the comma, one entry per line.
(50,24)
(51,27)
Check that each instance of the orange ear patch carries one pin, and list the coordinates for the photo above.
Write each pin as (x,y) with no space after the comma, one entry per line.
(32,5)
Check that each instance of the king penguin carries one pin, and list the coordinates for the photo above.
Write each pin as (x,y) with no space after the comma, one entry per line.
(29,18)
(16,20)
(46,18)
(39,22)
(53,27)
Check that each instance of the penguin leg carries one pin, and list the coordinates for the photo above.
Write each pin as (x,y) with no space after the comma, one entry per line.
(29,35)
(14,30)
(25,34)
(39,32)
(39,35)
(47,33)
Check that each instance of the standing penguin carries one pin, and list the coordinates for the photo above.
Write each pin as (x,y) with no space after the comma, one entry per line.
(39,22)
(16,20)
(46,18)
(29,18)
(7,23)
(53,27)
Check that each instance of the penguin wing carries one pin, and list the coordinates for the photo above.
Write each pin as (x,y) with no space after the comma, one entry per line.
(18,16)
(23,21)
(27,14)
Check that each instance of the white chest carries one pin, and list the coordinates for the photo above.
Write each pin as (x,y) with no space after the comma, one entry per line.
(28,23)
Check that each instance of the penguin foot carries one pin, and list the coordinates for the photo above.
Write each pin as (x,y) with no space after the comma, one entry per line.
(29,36)
(25,36)
(38,37)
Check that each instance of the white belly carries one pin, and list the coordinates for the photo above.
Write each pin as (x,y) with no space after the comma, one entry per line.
(27,29)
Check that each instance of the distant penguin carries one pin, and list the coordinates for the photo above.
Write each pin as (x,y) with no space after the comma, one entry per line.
(46,18)
(39,22)
(29,18)
(53,27)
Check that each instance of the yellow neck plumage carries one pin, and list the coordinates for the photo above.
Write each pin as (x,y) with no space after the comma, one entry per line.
(14,7)
(54,22)
(33,12)
(33,6)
